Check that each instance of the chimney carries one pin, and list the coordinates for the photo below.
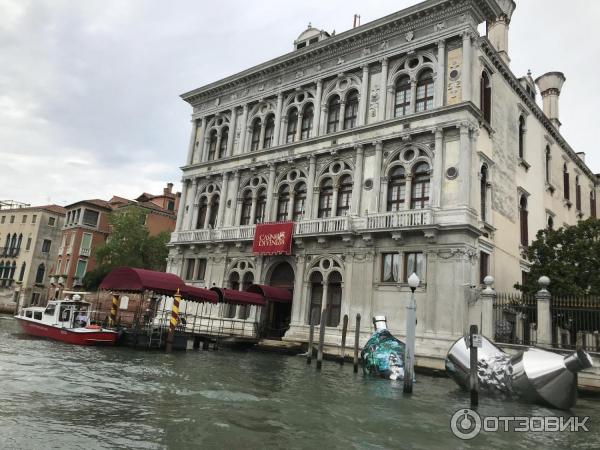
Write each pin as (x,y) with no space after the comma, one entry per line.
(497,30)
(550,85)
(168,189)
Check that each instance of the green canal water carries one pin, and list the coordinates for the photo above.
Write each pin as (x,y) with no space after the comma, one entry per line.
(56,396)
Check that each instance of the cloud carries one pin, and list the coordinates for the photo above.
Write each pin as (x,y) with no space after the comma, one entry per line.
(89,91)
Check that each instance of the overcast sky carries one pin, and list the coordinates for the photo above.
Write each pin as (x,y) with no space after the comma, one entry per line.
(89,90)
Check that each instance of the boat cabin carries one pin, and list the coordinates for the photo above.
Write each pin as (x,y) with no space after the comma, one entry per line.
(61,313)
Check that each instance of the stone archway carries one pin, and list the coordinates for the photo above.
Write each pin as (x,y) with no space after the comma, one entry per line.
(279,315)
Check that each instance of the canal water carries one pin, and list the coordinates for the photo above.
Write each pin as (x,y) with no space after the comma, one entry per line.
(56,396)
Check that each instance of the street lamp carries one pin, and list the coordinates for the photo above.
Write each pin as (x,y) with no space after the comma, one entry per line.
(411,318)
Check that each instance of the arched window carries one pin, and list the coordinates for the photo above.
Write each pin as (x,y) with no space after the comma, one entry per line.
(22,272)
(202,209)
(256,127)
(307,121)
(283,203)
(333,114)
(292,125)
(269,131)
(486,97)
(246,207)
(19,241)
(325,198)
(223,144)
(420,186)
(548,158)
(351,111)
(396,193)
(299,201)
(7,244)
(425,91)
(577,194)
(334,300)
(11,276)
(261,206)
(39,275)
(402,99)
(247,281)
(344,195)
(214,211)
(483,192)
(13,241)
(521,137)
(212,145)
(566,188)
(523,221)
(316,298)
(592,204)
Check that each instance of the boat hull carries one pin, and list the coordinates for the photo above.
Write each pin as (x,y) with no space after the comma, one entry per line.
(84,337)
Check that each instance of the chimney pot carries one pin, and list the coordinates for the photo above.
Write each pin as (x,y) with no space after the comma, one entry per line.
(550,85)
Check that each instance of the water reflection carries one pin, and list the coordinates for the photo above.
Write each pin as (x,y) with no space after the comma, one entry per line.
(57,396)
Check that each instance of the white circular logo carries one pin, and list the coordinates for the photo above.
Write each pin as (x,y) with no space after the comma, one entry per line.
(465,424)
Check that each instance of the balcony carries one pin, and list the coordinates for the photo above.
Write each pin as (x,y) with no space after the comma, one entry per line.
(85,251)
(343,225)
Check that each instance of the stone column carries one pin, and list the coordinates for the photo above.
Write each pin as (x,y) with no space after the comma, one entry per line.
(206,147)
(299,126)
(277,131)
(544,316)
(261,137)
(270,187)
(464,171)
(342,114)
(358,180)
(324,300)
(199,153)
(467,88)
(317,109)
(232,125)
(283,132)
(243,131)
(192,144)
(323,121)
(383,89)
(408,193)
(310,184)
(377,174)
(208,212)
(182,200)
(438,167)
(297,306)
(234,188)
(413,96)
(219,138)
(440,79)
(192,209)
(488,295)
(222,200)
(364,96)
(334,201)
(291,206)
(253,208)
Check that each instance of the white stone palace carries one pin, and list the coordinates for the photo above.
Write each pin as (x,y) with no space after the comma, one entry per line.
(403,145)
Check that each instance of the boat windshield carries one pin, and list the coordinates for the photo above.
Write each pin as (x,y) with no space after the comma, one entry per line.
(49,311)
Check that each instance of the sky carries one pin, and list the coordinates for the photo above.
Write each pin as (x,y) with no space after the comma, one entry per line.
(89,90)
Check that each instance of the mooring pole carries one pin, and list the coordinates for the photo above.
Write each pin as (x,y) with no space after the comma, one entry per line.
(173,321)
(112,320)
(344,331)
(474,343)
(321,338)
(311,337)
(356,339)
(409,352)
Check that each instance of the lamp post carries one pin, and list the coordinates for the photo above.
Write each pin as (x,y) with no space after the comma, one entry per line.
(409,351)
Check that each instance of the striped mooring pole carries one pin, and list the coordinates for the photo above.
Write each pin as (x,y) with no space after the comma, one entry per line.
(173,322)
(112,320)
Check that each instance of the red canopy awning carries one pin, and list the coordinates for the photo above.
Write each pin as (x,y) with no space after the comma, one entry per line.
(270,293)
(239,297)
(196,294)
(131,279)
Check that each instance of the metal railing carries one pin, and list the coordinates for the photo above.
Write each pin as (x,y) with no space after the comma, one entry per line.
(515,318)
(85,251)
(576,322)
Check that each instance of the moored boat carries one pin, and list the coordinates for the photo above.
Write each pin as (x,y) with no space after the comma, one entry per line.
(67,321)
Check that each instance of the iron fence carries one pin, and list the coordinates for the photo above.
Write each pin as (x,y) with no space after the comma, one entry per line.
(515,319)
(576,322)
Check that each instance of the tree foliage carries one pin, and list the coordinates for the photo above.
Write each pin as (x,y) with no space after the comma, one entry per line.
(569,256)
(129,244)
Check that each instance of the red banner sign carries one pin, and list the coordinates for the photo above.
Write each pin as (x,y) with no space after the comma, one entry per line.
(273,238)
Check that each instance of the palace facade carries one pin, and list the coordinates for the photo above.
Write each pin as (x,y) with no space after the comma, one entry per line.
(403,145)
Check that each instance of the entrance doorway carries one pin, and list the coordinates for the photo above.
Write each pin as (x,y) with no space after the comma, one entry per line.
(279,314)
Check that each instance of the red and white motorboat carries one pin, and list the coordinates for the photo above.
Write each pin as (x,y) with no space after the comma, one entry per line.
(67,321)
